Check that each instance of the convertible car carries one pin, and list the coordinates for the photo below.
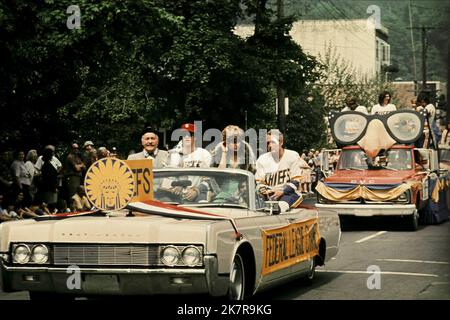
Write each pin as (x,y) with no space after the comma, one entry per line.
(205,231)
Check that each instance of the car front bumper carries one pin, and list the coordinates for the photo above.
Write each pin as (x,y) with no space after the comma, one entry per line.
(369,210)
(115,281)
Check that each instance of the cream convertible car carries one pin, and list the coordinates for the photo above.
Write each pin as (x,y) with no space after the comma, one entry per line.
(224,241)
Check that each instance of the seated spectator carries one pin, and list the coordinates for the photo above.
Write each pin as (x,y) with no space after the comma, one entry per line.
(36,207)
(4,216)
(80,201)
(18,207)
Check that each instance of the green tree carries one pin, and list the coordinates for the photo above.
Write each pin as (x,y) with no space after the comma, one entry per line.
(340,80)
(146,62)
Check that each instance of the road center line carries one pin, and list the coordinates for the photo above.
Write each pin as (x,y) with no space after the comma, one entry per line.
(381,272)
(370,237)
(417,261)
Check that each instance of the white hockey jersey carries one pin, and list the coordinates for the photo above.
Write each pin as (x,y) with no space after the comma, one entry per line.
(276,174)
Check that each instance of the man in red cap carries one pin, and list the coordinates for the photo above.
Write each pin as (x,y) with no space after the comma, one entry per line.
(190,155)
(150,141)
(187,155)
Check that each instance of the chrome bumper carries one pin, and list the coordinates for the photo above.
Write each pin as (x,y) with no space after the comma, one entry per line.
(369,210)
(116,281)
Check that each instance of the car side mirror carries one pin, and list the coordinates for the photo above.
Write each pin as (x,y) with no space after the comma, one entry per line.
(272,207)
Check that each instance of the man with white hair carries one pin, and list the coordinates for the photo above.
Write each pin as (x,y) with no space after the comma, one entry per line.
(150,141)
(278,173)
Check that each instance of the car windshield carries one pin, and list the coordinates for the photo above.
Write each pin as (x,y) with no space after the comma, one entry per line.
(393,159)
(201,188)
(353,159)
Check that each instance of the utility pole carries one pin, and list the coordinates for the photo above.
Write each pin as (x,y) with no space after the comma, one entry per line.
(424,54)
(280,91)
(424,58)
(413,49)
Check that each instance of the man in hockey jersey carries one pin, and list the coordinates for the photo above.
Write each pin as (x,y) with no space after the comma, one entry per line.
(278,173)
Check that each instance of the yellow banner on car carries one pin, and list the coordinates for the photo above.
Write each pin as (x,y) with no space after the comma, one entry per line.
(285,246)
(143,179)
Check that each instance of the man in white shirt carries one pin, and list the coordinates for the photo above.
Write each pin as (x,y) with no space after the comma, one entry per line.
(191,156)
(384,106)
(352,105)
(187,155)
(150,141)
(54,162)
(424,103)
(278,172)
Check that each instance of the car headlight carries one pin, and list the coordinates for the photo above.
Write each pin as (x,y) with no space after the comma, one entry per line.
(21,254)
(404,197)
(170,256)
(39,254)
(191,256)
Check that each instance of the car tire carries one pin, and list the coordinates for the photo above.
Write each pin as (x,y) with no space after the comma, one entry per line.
(413,221)
(309,277)
(236,289)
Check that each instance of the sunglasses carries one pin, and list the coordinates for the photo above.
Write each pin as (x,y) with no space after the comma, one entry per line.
(404,126)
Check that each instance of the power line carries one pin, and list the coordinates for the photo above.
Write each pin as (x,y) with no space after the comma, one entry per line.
(339,21)
(424,53)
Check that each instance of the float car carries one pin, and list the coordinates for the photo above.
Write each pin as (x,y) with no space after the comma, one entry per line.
(225,242)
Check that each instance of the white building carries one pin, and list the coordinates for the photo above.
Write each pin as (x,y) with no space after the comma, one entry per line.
(356,41)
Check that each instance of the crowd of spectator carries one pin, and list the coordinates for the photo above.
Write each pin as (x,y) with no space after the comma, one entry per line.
(43,183)
(49,182)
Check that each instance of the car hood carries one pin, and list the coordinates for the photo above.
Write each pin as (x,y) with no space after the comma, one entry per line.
(370,176)
(122,229)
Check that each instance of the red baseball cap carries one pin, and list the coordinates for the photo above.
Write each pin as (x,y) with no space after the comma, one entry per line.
(189,127)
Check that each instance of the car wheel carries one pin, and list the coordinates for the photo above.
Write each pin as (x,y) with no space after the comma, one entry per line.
(311,272)
(413,221)
(236,290)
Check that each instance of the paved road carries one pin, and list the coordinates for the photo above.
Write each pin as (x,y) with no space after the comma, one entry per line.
(413,265)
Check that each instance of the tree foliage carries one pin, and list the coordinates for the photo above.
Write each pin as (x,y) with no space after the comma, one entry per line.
(341,80)
(138,63)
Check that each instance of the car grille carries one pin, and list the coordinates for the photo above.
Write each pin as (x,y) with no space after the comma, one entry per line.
(105,255)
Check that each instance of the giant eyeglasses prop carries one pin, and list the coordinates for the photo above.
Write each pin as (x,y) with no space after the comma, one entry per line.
(404,126)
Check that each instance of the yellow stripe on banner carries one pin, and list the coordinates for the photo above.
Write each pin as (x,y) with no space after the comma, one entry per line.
(285,246)
(435,193)
(361,191)
(298,202)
